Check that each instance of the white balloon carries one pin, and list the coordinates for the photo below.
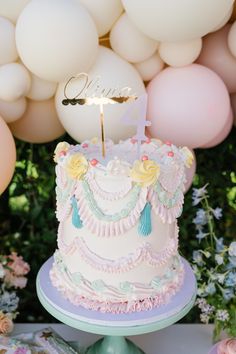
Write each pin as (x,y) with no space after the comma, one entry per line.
(14,81)
(104,13)
(12,8)
(56,39)
(131,44)
(178,20)
(150,67)
(81,121)
(224,20)
(180,53)
(11,111)
(40,89)
(8,52)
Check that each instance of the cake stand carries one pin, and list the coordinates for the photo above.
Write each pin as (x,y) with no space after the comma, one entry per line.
(115,326)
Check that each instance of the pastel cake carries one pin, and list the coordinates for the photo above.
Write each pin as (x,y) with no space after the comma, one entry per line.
(118,234)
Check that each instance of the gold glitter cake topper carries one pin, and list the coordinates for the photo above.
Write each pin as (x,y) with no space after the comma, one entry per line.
(92,93)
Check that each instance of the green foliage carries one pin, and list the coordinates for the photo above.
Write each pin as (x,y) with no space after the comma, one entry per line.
(27,210)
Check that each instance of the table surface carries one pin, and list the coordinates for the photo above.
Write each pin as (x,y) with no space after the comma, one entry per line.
(176,339)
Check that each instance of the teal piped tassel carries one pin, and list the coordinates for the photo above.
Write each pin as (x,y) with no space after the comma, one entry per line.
(76,221)
(145,222)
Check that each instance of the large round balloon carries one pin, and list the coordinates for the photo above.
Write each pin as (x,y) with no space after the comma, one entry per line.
(131,44)
(188,105)
(56,39)
(14,81)
(222,135)
(178,20)
(7,155)
(12,8)
(180,53)
(109,72)
(233,104)
(104,13)
(216,55)
(232,39)
(150,67)
(39,124)
(11,111)
(41,89)
(189,173)
(8,52)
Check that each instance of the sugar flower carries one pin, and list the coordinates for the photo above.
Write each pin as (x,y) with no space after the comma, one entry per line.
(145,172)
(77,166)
(227,346)
(188,156)
(60,150)
(6,324)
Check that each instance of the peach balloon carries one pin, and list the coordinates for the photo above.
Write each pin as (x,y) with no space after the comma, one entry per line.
(188,106)
(222,134)
(14,81)
(180,53)
(129,42)
(216,55)
(233,105)
(7,155)
(232,39)
(8,52)
(11,111)
(150,67)
(190,172)
(39,124)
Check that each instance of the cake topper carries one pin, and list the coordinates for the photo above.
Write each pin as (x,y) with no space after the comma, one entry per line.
(92,93)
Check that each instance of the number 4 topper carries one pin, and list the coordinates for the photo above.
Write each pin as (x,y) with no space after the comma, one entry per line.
(139,110)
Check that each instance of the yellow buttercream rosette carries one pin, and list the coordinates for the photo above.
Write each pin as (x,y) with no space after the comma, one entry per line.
(188,156)
(62,147)
(145,172)
(77,166)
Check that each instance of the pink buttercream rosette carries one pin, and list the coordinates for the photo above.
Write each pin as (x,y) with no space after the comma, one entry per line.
(226,346)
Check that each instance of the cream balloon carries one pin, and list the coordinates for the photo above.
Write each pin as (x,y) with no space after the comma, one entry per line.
(7,155)
(150,67)
(104,13)
(8,52)
(41,89)
(131,44)
(11,111)
(39,124)
(224,20)
(216,56)
(56,39)
(82,122)
(232,39)
(189,173)
(180,53)
(179,20)
(12,8)
(14,81)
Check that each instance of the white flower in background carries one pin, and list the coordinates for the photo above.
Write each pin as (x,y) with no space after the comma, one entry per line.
(199,194)
(201,217)
(219,259)
(210,289)
(201,302)
(232,249)
(217,212)
(197,257)
(2,271)
(204,318)
(222,315)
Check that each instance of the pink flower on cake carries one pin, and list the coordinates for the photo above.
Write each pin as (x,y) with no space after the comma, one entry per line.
(6,324)
(145,172)
(77,166)
(227,346)
(60,150)
(17,265)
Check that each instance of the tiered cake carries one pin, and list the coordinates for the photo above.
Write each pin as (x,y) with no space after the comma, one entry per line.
(118,235)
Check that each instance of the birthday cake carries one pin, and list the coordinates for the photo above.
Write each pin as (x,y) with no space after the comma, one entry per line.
(118,234)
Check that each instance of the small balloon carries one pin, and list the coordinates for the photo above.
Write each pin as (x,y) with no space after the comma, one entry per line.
(8,52)
(40,89)
(7,155)
(150,67)
(11,111)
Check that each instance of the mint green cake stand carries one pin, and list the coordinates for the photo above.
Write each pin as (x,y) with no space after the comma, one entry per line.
(115,326)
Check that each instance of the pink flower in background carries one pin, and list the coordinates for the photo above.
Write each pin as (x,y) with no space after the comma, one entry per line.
(6,324)
(21,350)
(18,265)
(15,281)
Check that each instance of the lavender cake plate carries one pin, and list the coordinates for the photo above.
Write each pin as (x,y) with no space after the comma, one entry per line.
(213,349)
(115,326)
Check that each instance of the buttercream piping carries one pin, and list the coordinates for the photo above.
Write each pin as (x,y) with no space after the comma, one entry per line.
(143,254)
(111,228)
(114,300)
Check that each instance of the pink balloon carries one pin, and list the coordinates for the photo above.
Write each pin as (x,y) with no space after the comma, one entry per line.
(222,134)
(216,56)
(233,104)
(188,105)
(190,172)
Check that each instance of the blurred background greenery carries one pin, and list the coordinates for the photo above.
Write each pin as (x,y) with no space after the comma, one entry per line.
(28,223)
